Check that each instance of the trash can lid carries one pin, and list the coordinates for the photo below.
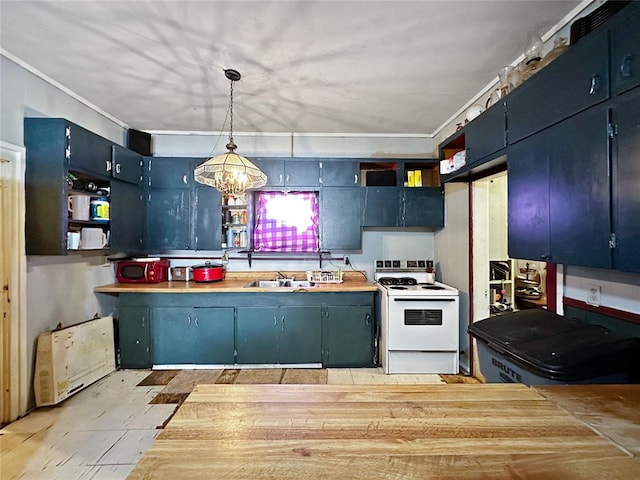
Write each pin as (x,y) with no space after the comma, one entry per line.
(554,346)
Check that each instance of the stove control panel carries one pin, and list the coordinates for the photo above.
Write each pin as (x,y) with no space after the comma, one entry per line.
(400,265)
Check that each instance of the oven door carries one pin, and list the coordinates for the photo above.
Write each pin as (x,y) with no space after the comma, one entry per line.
(422,323)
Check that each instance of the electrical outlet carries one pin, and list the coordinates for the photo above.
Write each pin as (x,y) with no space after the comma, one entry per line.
(593,295)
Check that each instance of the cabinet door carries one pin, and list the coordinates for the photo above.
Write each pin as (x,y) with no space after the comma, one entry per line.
(127,217)
(579,191)
(133,337)
(422,207)
(340,173)
(300,335)
(208,218)
(626,182)
(273,168)
(571,83)
(625,58)
(89,152)
(214,330)
(170,172)
(340,212)
(174,335)
(168,220)
(380,207)
(301,173)
(486,133)
(126,165)
(528,198)
(348,336)
(257,332)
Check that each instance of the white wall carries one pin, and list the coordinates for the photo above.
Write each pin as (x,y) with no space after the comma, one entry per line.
(59,289)
(452,255)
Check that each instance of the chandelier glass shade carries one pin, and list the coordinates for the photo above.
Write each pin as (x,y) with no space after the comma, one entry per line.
(230,173)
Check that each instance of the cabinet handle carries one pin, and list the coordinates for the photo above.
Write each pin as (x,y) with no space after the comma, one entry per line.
(117,168)
(355,179)
(188,320)
(625,66)
(184,179)
(280,178)
(367,319)
(545,257)
(287,179)
(107,166)
(595,84)
(275,320)
(196,322)
(282,327)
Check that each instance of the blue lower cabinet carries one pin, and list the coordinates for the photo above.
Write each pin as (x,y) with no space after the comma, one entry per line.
(348,335)
(134,337)
(335,329)
(287,335)
(301,335)
(257,334)
(185,335)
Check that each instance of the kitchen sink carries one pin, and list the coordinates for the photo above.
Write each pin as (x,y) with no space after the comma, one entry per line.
(286,283)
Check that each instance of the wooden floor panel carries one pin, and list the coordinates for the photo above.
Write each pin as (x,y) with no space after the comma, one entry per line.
(457,431)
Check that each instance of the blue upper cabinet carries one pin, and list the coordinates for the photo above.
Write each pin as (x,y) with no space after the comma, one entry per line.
(170,172)
(181,214)
(126,165)
(340,173)
(289,173)
(625,57)
(625,182)
(486,134)
(576,80)
(89,152)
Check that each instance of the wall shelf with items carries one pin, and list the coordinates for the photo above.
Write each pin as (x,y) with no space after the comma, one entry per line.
(501,286)
(236,221)
(88,219)
(424,173)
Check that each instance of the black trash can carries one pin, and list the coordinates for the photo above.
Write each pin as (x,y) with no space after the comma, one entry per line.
(539,347)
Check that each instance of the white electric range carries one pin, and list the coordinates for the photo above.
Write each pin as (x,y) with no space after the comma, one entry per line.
(419,318)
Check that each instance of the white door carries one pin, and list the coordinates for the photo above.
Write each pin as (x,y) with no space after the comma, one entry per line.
(489,223)
(13,357)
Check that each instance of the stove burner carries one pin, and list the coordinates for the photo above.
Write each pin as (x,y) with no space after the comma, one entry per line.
(432,287)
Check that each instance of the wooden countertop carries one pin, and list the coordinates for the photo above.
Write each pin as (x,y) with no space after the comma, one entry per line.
(497,431)
(236,281)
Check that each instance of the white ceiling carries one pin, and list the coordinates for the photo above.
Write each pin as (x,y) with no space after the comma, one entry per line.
(381,67)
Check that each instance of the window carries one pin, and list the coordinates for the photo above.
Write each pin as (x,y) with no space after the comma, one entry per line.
(286,222)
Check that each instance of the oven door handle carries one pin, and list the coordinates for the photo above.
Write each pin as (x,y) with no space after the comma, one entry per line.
(425,299)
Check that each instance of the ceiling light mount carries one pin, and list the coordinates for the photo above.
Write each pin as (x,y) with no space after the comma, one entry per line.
(232,74)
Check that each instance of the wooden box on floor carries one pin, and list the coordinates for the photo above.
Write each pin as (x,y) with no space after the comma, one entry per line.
(72,358)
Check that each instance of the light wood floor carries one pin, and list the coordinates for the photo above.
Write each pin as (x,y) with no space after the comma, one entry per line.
(102,432)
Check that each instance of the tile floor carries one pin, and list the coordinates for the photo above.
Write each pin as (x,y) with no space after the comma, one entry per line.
(102,432)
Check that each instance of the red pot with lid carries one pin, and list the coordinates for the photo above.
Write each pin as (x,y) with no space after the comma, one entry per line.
(209,272)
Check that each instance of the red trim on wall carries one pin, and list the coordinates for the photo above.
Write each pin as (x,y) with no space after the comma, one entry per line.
(608,311)
(470,221)
(550,287)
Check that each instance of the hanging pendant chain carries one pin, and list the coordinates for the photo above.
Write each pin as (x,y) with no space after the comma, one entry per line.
(231,115)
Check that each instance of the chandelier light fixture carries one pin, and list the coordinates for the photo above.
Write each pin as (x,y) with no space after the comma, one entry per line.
(230,173)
